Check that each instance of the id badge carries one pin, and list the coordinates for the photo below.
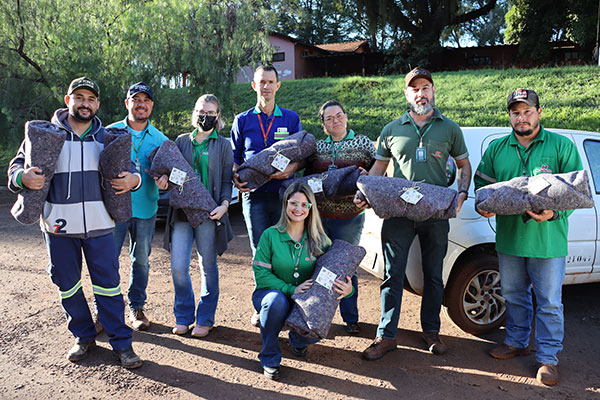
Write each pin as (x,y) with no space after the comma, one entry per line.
(138,166)
(421,154)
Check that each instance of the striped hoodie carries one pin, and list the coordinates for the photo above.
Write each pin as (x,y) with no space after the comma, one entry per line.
(74,206)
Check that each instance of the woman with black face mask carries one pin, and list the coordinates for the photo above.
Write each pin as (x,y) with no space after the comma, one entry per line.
(212,158)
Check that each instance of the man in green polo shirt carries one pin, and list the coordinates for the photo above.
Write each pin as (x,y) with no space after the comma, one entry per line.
(531,247)
(419,143)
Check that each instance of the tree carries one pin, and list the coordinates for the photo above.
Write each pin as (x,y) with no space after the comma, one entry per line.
(535,23)
(485,30)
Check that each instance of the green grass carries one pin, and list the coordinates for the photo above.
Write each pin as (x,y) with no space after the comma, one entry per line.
(570,97)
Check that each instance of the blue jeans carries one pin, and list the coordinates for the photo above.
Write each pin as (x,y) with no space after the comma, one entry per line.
(546,275)
(141,233)
(182,238)
(349,230)
(397,235)
(261,210)
(274,307)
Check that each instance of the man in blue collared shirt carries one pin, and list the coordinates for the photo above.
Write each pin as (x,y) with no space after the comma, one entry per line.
(252,131)
(144,138)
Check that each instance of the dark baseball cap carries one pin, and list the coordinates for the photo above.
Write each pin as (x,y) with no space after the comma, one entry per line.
(418,72)
(84,83)
(526,96)
(139,87)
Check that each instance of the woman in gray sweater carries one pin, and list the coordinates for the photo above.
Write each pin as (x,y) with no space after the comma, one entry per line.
(212,158)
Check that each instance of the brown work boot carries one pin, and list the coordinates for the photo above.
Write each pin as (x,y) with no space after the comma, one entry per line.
(139,320)
(434,343)
(547,374)
(504,352)
(378,348)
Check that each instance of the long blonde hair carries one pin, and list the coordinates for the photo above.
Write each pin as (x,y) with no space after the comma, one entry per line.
(315,234)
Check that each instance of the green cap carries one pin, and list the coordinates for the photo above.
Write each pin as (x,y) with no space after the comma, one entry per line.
(84,83)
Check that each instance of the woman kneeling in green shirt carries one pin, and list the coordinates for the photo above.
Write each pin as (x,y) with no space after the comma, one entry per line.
(283,265)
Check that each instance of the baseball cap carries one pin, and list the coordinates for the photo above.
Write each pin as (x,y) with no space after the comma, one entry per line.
(84,83)
(418,72)
(139,87)
(526,96)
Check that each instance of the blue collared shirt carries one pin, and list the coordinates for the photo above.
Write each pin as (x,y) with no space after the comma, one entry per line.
(144,202)
(247,138)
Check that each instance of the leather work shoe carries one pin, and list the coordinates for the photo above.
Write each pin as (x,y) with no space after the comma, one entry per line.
(255,319)
(128,358)
(504,352)
(547,374)
(378,348)
(353,328)
(271,373)
(200,331)
(139,320)
(300,351)
(80,350)
(434,343)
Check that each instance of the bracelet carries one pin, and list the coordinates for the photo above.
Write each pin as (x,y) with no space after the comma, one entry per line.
(463,191)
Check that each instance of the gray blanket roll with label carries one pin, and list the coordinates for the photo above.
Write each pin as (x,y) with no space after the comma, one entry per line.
(384,195)
(337,183)
(256,170)
(567,191)
(43,143)
(192,197)
(114,159)
(314,309)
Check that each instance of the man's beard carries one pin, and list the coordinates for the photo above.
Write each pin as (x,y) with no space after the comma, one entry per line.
(80,117)
(422,109)
(527,132)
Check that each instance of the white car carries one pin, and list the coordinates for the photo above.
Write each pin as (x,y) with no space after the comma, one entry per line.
(472,295)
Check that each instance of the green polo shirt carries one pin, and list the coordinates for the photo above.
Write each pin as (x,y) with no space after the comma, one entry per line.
(275,258)
(506,158)
(441,137)
(201,156)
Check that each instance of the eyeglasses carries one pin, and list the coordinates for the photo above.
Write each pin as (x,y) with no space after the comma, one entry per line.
(209,113)
(304,205)
(338,116)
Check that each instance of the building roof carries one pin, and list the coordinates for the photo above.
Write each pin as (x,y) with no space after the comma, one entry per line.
(346,47)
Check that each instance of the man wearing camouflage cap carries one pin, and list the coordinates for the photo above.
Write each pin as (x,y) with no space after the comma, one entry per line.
(531,247)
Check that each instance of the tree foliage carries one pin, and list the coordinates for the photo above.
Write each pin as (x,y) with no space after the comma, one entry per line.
(485,30)
(534,23)
(44,44)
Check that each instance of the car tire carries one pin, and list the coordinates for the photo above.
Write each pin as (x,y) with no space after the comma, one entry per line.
(473,296)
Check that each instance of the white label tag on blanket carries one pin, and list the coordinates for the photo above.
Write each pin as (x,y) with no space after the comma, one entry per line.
(326,278)
(411,196)
(177,176)
(280,162)
(316,185)
(538,184)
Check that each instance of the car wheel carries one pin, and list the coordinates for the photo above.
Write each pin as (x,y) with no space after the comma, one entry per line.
(473,296)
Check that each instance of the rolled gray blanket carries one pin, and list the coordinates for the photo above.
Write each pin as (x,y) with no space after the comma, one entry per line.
(336,183)
(567,191)
(314,309)
(43,144)
(192,197)
(114,159)
(384,195)
(257,169)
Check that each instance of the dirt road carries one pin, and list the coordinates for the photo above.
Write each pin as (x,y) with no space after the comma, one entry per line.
(34,340)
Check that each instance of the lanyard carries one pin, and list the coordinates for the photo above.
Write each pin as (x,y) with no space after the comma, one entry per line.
(139,145)
(523,163)
(265,134)
(296,259)
(421,135)
(335,149)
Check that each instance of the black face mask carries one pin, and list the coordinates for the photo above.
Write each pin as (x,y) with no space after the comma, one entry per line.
(207,122)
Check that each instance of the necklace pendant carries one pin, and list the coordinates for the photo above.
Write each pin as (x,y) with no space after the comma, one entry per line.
(296,274)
